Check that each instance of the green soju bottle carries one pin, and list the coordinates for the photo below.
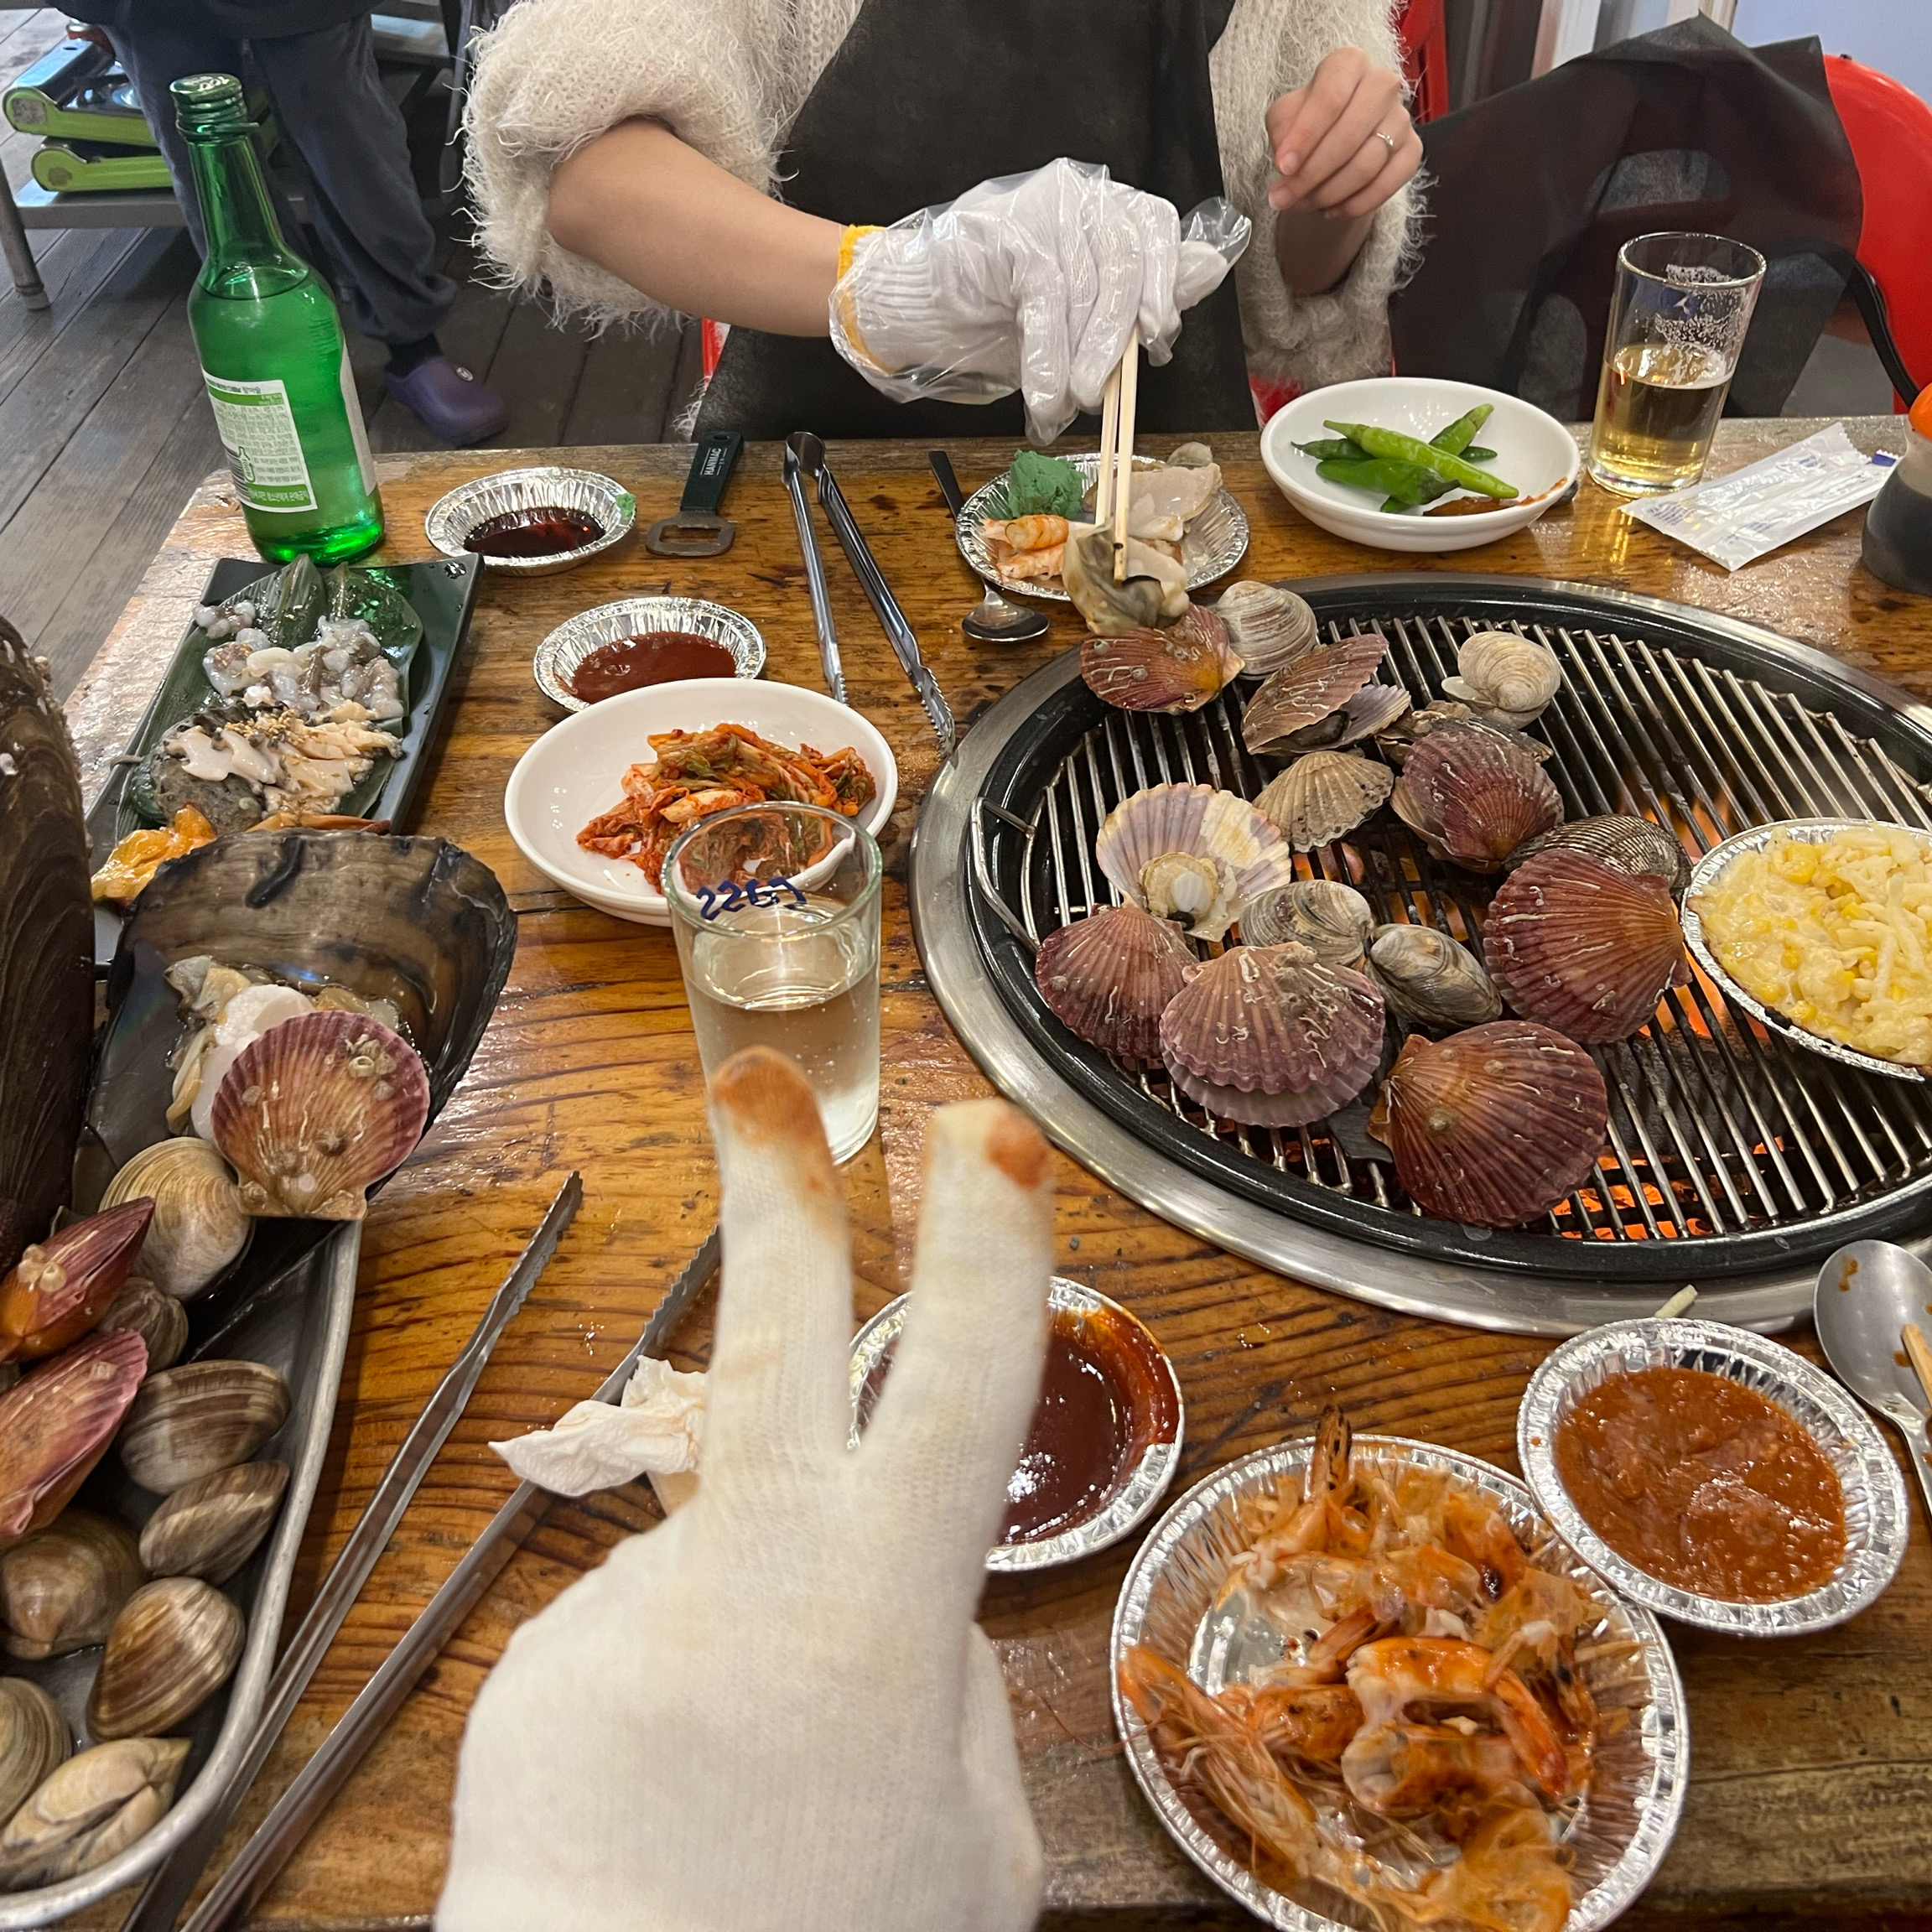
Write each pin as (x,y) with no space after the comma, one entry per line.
(272,351)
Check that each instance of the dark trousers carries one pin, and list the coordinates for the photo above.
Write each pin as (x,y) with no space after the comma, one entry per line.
(329,102)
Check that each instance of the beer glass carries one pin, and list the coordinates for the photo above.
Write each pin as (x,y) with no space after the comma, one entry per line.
(1678,318)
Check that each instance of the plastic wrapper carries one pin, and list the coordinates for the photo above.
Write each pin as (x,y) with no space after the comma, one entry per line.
(1757,509)
(656,1431)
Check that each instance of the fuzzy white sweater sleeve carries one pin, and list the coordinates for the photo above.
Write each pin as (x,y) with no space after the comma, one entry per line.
(729,77)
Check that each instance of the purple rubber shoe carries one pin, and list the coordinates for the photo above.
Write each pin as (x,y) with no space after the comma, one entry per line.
(450,400)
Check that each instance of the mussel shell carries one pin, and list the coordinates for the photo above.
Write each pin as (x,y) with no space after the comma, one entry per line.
(1248,854)
(56,1422)
(1271,1035)
(61,1286)
(1310,687)
(1429,979)
(1324,796)
(174,1645)
(33,1742)
(1267,625)
(1331,920)
(90,1808)
(1176,669)
(209,1528)
(1582,947)
(1493,1126)
(1507,678)
(1630,844)
(188,1422)
(1473,796)
(158,1319)
(61,1588)
(1108,977)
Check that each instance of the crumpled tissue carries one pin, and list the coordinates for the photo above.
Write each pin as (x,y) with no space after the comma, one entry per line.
(656,1431)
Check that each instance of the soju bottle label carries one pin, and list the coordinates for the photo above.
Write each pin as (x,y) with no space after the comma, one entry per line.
(258,429)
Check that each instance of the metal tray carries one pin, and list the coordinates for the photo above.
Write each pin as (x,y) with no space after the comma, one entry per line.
(301,1326)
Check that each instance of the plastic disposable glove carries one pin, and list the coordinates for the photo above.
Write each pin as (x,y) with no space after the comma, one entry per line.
(1029,282)
(775,1709)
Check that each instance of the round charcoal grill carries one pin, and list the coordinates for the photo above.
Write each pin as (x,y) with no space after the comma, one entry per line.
(1734,1160)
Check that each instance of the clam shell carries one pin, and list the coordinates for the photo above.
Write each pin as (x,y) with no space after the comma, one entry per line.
(33,1741)
(188,1422)
(1233,843)
(1582,947)
(95,1805)
(1331,920)
(1271,1035)
(199,1226)
(1324,796)
(1506,677)
(1473,796)
(1491,1126)
(56,1422)
(316,1110)
(172,1647)
(1430,979)
(1397,740)
(61,1589)
(209,1528)
(1108,977)
(1630,844)
(1177,669)
(61,1287)
(159,1320)
(1311,688)
(1267,627)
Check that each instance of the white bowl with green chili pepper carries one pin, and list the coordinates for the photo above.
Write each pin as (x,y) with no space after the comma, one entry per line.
(1442,456)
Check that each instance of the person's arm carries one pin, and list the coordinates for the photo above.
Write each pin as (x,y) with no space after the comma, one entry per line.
(639,202)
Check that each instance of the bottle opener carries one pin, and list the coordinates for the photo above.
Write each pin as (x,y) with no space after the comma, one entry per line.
(697,530)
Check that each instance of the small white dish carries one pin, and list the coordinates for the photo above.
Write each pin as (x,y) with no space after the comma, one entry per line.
(573,640)
(576,769)
(1533,450)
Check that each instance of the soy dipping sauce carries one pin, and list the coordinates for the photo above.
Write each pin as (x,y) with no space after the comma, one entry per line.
(544,531)
(651,658)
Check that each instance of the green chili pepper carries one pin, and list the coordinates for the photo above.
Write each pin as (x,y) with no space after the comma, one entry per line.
(1406,482)
(1457,439)
(1335,449)
(1476,453)
(1391,443)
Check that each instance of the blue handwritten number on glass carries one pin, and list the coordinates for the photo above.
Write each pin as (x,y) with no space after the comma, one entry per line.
(733,893)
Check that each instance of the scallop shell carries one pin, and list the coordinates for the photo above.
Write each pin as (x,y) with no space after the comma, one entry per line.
(1267,627)
(188,1422)
(62,1588)
(1507,678)
(93,1807)
(1430,979)
(55,1424)
(61,1287)
(1313,686)
(1474,798)
(1108,977)
(1582,947)
(158,1319)
(209,1528)
(316,1110)
(1397,740)
(1177,669)
(1272,1036)
(33,1741)
(1324,796)
(1230,855)
(1630,844)
(1331,920)
(1493,1126)
(200,1225)
(174,1645)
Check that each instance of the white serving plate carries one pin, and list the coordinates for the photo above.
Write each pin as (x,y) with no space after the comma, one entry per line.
(575,770)
(1533,450)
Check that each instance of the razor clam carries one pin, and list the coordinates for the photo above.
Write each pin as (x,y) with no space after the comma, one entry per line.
(174,1645)
(1430,979)
(209,1528)
(1632,845)
(1331,920)
(61,1589)
(93,1806)
(33,1741)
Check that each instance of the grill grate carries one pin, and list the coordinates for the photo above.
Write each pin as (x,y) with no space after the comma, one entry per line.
(1718,1129)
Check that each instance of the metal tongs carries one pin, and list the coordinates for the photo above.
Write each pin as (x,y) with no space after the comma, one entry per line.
(814,569)
(808,452)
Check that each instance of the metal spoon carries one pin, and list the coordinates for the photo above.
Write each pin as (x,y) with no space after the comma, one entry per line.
(1866,1294)
(992,619)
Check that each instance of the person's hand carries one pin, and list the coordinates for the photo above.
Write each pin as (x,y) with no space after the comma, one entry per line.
(776,1708)
(1344,143)
(1030,282)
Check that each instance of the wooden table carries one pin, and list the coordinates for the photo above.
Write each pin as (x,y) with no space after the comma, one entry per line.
(1810,1798)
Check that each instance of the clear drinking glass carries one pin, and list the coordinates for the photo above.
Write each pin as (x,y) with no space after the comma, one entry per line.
(776,908)
(1677,322)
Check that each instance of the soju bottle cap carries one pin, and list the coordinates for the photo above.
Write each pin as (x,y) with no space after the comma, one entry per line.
(211,107)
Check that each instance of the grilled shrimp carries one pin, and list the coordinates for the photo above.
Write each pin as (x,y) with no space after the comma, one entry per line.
(1022,533)
(1400,1769)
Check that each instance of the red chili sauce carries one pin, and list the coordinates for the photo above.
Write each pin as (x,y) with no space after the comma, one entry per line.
(1705,1485)
(1105,1398)
(543,532)
(653,658)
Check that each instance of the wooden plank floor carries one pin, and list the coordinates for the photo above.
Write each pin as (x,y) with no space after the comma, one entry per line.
(105,428)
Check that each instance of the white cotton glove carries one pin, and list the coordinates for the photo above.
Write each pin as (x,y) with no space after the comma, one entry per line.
(775,1709)
(1029,282)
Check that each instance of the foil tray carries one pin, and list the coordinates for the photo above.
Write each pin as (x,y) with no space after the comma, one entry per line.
(451,518)
(573,640)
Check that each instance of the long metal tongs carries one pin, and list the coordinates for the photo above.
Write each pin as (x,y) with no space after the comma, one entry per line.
(811,454)
(814,572)
(168,1890)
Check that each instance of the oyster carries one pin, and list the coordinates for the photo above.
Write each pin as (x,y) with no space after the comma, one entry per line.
(316,1110)
(1397,740)
(61,1589)
(1267,627)
(1311,689)
(1473,796)
(189,1421)
(200,1225)
(209,1528)
(1189,852)
(61,1287)
(1430,979)
(95,1805)
(1324,796)
(1505,677)
(1493,1126)
(1177,669)
(1582,947)
(55,1424)
(1331,920)
(1272,1036)
(158,1319)
(174,1645)
(1108,978)
(33,1741)
(1630,844)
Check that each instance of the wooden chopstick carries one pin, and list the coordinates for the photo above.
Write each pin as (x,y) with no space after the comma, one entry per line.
(1919,1352)
(1109,427)
(1129,381)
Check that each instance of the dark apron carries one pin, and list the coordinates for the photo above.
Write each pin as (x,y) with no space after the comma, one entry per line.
(924,99)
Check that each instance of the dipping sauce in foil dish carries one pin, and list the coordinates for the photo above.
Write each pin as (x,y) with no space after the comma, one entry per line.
(651,658)
(1705,1485)
(542,530)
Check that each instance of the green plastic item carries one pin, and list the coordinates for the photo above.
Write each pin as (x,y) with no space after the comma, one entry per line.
(92,167)
(1392,443)
(75,92)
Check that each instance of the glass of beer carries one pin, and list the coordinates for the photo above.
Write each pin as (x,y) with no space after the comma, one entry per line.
(776,908)
(1677,322)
